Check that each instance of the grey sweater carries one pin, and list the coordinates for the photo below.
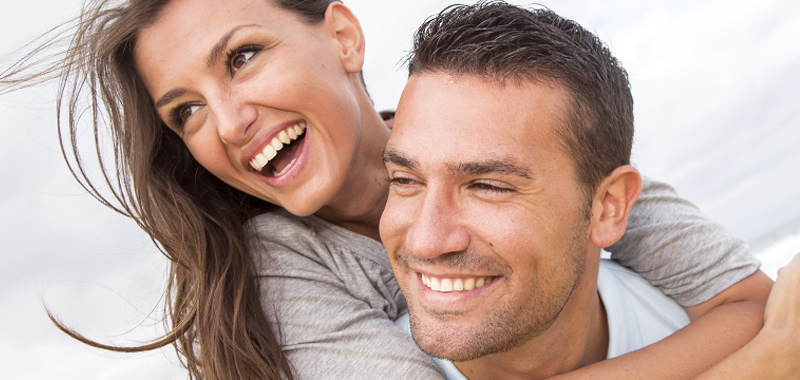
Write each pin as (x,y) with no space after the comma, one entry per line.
(336,298)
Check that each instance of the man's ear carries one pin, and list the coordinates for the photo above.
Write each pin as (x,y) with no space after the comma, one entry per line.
(349,35)
(612,203)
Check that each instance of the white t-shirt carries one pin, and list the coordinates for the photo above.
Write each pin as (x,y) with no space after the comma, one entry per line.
(638,314)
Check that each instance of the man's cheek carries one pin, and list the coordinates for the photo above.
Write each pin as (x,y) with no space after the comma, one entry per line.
(395,222)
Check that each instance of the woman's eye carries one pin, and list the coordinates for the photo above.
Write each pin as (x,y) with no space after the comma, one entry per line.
(183,113)
(238,57)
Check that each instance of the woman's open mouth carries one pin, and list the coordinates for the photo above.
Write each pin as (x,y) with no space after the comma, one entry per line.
(279,155)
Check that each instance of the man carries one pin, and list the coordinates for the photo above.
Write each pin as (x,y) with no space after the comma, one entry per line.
(509,169)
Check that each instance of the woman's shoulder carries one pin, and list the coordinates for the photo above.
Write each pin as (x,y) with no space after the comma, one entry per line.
(310,264)
(278,226)
(280,237)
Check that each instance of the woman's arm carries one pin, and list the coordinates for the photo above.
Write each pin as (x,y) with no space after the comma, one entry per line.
(335,298)
(678,249)
(775,352)
(703,267)
(709,339)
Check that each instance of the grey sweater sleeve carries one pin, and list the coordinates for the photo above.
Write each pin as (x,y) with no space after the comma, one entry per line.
(335,297)
(673,245)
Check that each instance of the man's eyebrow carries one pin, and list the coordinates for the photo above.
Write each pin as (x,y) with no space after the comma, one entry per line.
(397,158)
(505,165)
(219,47)
(497,166)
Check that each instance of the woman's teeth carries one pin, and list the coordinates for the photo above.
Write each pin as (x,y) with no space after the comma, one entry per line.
(271,150)
(454,284)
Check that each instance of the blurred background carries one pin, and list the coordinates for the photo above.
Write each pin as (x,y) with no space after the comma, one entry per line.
(715,83)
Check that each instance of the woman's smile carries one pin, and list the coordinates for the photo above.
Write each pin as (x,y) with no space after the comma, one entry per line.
(281,152)
(269,104)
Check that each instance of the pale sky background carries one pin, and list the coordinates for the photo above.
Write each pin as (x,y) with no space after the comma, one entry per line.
(716,86)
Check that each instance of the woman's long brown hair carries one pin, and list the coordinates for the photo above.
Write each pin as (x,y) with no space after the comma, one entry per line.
(215,317)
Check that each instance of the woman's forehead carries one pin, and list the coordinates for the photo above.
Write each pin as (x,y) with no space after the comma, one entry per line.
(187,33)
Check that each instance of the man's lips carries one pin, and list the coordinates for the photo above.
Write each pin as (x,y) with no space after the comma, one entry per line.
(454,293)
(451,284)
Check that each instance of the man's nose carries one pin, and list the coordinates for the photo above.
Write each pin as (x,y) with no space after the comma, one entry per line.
(437,228)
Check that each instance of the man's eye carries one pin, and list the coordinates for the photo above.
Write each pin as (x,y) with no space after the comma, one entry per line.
(487,187)
(400,181)
(405,186)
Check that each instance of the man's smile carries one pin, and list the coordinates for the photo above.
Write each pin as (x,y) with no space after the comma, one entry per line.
(454,284)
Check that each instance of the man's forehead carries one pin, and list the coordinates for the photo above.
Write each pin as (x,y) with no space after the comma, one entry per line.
(462,102)
(439,112)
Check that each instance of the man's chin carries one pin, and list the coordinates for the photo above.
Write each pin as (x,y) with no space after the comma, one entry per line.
(447,340)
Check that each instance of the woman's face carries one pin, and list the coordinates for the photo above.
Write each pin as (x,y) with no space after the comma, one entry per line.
(265,101)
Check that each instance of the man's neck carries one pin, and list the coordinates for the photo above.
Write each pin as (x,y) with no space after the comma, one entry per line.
(579,337)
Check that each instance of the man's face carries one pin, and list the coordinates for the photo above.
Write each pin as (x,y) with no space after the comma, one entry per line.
(486,224)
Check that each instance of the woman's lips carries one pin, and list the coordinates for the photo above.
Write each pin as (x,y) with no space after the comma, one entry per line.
(278,154)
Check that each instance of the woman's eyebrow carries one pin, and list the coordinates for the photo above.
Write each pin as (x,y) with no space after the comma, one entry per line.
(169,96)
(213,57)
(219,47)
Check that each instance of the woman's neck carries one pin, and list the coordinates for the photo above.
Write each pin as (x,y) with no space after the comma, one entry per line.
(361,215)
(360,202)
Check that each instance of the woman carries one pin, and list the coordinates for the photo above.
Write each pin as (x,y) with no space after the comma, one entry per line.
(220,110)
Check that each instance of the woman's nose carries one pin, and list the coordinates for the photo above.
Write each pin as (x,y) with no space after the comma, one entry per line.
(235,119)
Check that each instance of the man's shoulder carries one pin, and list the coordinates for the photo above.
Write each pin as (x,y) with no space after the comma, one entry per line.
(638,313)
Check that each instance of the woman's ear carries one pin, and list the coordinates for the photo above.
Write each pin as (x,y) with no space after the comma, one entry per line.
(612,203)
(348,34)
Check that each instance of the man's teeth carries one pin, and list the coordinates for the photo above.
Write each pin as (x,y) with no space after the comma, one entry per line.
(271,150)
(454,284)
